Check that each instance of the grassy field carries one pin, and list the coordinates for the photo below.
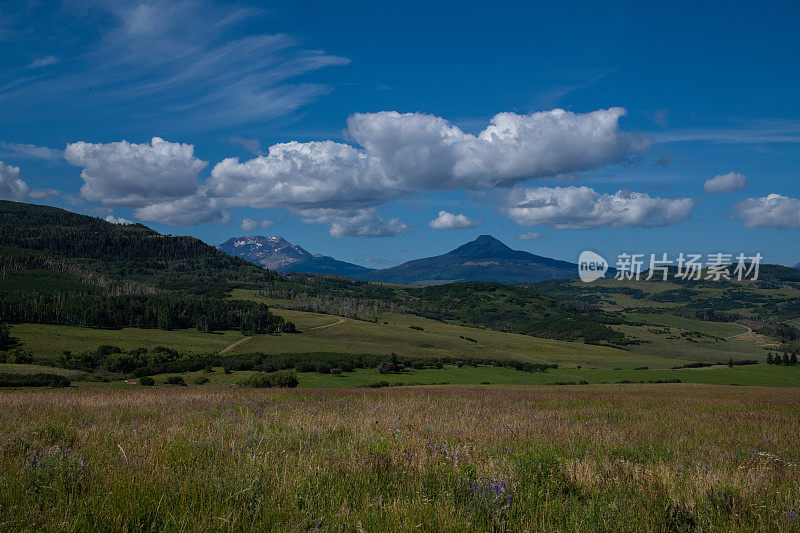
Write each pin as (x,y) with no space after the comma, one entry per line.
(758,375)
(438,339)
(49,341)
(597,457)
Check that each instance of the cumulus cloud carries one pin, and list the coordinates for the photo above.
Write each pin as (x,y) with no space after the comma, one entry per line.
(118,220)
(135,175)
(730,182)
(530,236)
(447,220)
(425,151)
(251,224)
(393,155)
(584,208)
(297,175)
(772,211)
(184,212)
(11,186)
(355,223)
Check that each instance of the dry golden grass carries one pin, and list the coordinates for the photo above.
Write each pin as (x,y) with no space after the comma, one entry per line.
(631,458)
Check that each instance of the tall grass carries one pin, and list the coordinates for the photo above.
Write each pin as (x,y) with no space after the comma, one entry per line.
(610,458)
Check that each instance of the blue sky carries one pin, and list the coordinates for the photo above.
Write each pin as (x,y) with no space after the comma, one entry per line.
(707,91)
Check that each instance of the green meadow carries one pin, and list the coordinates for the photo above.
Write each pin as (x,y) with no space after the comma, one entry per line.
(677,457)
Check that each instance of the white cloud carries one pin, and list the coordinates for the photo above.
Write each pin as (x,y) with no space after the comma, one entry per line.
(400,154)
(30,151)
(584,208)
(251,224)
(355,223)
(447,220)
(773,211)
(530,236)
(187,211)
(44,61)
(730,182)
(11,186)
(395,156)
(134,175)
(424,151)
(301,176)
(118,220)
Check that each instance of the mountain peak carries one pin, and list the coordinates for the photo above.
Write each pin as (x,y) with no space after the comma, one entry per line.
(276,253)
(270,252)
(482,246)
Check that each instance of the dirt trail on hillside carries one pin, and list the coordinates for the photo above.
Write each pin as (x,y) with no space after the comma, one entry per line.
(749,334)
(340,321)
(234,345)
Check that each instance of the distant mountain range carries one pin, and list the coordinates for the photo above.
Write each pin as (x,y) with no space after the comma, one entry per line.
(276,253)
(484,259)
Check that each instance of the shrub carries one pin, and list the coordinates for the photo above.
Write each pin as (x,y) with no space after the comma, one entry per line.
(175,380)
(336,371)
(201,380)
(377,385)
(304,366)
(281,378)
(147,381)
(416,328)
(107,349)
(33,380)
(17,356)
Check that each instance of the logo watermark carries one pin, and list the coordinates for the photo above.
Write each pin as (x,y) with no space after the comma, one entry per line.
(685,266)
(591,266)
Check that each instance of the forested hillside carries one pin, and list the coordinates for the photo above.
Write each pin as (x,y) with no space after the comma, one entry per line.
(58,267)
(124,252)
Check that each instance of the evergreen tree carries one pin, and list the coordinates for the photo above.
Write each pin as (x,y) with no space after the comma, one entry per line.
(786,360)
(793,359)
(769,359)
(6,341)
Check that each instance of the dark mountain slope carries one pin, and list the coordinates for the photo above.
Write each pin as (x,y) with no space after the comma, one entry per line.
(124,252)
(59,267)
(484,259)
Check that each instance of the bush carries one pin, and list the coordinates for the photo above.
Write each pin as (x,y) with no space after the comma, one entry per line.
(336,371)
(147,381)
(304,366)
(175,380)
(201,380)
(16,356)
(377,385)
(281,378)
(33,380)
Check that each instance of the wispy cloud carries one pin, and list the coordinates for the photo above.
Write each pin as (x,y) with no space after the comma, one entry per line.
(191,60)
(45,61)
(758,132)
(29,151)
